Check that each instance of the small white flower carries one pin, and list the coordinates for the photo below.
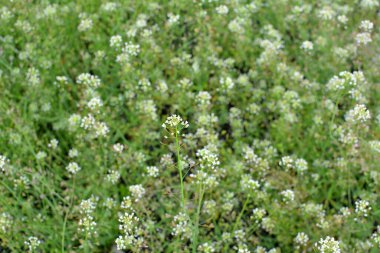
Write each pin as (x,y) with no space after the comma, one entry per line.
(152,171)
(288,196)
(175,122)
(328,245)
(95,104)
(307,46)
(363,38)
(40,155)
(173,19)
(118,148)
(4,163)
(73,168)
(116,41)
(53,144)
(113,176)
(301,239)
(366,26)
(32,243)
(88,80)
(137,191)
(85,25)
(362,208)
(359,114)
(222,10)
(73,153)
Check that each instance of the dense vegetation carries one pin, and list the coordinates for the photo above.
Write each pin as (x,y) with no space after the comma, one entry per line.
(190,126)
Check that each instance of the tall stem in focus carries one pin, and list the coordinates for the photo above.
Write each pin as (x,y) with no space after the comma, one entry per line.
(179,165)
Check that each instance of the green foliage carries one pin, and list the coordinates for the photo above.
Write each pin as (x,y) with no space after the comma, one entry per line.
(279,154)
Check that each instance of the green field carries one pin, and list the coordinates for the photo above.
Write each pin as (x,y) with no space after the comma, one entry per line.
(247,126)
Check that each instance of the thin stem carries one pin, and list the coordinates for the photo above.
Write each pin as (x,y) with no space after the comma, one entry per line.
(238,219)
(196,226)
(180,169)
(242,211)
(66,216)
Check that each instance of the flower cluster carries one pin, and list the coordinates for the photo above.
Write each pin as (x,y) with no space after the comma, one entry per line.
(86,223)
(328,245)
(175,122)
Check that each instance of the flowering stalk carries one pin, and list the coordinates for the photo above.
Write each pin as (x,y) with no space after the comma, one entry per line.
(174,124)
(179,166)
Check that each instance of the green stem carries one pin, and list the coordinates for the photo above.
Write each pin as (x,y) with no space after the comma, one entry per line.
(196,226)
(238,219)
(241,212)
(180,169)
(66,216)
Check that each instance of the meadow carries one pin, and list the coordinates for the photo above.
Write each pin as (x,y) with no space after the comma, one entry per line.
(247,126)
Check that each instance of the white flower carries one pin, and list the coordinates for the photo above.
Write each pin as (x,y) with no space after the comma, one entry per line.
(207,159)
(6,222)
(152,171)
(131,49)
(109,6)
(182,227)
(33,76)
(247,183)
(32,243)
(307,46)
(89,80)
(342,19)
(363,38)
(375,146)
(116,41)
(222,10)
(203,98)
(300,166)
(88,122)
(113,176)
(4,163)
(73,168)
(226,83)
(376,236)
(40,155)
(118,148)
(175,122)
(237,25)
(85,25)
(301,239)
(258,214)
(137,191)
(53,144)
(366,26)
(94,104)
(87,225)
(207,247)
(287,162)
(359,114)
(173,19)
(101,129)
(328,245)
(131,231)
(87,206)
(362,208)
(74,121)
(288,196)
(73,153)
(128,50)
(5,13)
(369,4)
